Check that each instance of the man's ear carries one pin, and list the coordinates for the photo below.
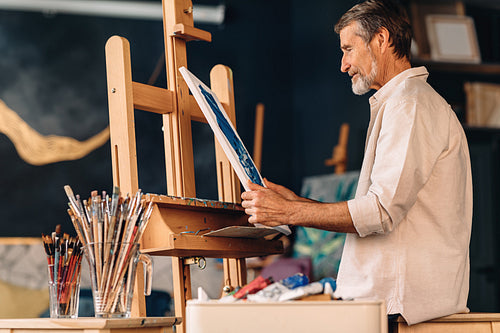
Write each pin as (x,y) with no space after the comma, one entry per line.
(381,39)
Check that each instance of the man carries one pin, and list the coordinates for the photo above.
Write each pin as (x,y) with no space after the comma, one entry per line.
(409,224)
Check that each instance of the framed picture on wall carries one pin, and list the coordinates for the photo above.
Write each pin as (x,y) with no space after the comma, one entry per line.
(483,104)
(419,10)
(452,38)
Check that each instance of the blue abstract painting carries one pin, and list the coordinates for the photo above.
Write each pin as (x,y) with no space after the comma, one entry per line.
(224,131)
(235,142)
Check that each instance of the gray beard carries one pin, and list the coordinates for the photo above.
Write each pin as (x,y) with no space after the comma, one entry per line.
(363,84)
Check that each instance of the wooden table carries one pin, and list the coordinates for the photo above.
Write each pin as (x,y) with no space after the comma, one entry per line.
(457,323)
(90,325)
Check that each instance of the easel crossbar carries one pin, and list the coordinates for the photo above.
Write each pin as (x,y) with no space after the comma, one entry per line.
(161,101)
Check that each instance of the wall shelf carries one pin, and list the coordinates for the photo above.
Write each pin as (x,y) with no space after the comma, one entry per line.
(482,68)
(482,133)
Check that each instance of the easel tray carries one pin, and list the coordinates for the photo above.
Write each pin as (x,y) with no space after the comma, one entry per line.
(182,226)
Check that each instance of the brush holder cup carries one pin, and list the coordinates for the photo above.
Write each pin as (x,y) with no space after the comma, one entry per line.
(64,296)
(64,271)
(112,275)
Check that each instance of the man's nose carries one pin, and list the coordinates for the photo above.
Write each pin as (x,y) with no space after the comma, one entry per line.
(344,65)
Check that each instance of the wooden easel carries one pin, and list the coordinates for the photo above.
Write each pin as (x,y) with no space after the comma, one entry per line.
(258,135)
(339,154)
(176,222)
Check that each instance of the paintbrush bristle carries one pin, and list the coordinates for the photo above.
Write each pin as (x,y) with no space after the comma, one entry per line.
(68,190)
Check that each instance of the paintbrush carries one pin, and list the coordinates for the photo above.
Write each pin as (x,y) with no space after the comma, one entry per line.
(110,226)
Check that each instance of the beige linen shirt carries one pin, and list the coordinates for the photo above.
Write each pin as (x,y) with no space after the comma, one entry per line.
(413,205)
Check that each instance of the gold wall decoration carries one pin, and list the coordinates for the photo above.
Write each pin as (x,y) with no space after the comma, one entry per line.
(37,149)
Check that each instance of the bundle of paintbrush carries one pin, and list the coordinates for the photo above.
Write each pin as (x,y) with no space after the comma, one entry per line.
(64,256)
(110,227)
(102,219)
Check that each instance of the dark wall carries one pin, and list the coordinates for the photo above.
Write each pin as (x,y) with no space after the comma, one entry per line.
(322,96)
(255,44)
(54,78)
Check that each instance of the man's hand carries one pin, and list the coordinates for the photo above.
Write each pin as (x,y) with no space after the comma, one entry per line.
(271,206)
(283,191)
(276,205)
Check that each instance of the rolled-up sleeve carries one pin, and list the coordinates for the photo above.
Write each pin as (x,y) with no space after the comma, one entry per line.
(365,215)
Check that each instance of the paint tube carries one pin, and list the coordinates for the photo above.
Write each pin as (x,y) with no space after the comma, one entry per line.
(272,292)
(229,298)
(328,289)
(296,280)
(310,289)
(331,281)
(257,284)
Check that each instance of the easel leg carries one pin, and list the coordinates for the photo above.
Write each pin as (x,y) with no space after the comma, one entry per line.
(138,299)
(182,290)
(235,273)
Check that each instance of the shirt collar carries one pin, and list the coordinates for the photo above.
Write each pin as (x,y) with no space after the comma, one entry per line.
(388,88)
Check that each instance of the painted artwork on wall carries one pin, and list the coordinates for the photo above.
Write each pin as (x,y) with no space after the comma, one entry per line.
(54,114)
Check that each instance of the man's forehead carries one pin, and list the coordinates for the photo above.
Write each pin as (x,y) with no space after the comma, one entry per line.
(348,34)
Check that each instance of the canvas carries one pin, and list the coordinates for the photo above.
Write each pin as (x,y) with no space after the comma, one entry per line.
(225,133)
(223,130)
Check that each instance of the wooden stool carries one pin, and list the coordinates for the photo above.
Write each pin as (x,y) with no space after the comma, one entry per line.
(456,323)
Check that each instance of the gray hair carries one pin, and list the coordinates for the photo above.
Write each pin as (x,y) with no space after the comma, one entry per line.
(372,15)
